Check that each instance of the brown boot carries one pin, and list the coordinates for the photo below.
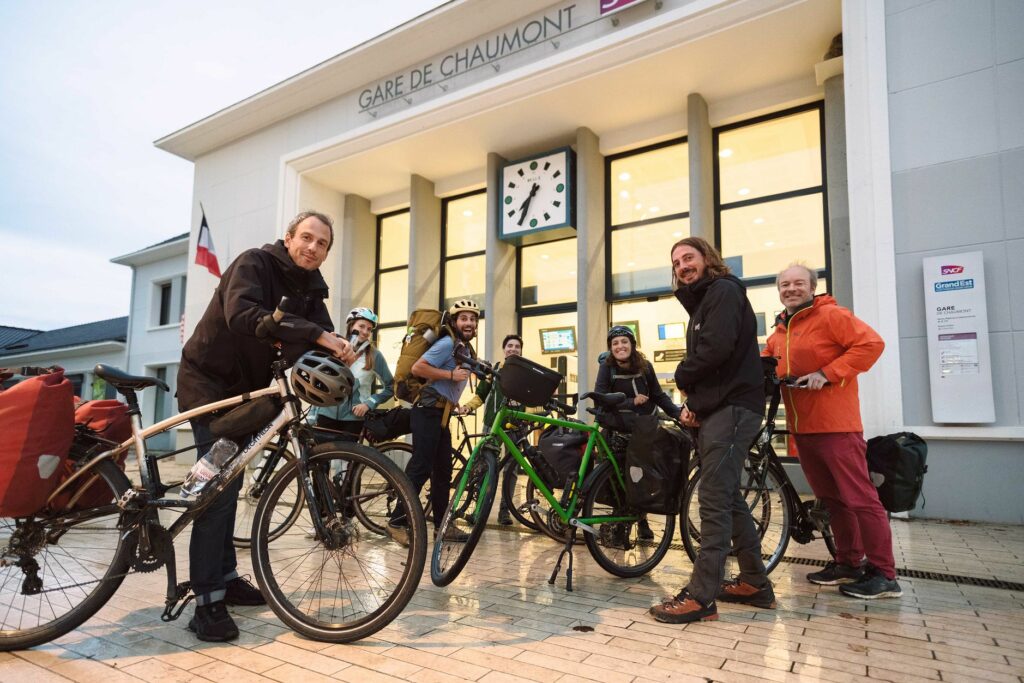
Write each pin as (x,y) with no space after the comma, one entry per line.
(745,594)
(683,609)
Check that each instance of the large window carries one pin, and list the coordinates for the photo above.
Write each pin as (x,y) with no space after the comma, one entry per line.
(770,194)
(391,294)
(649,211)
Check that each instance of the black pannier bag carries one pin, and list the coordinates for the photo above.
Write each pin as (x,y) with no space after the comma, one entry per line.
(896,463)
(387,425)
(561,450)
(657,459)
(247,418)
(527,382)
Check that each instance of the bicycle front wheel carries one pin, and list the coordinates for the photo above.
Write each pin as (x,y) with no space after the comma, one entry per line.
(628,548)
(373,498)
(769,504)
(57,572)
(344,583)
(465,518)
(289,505)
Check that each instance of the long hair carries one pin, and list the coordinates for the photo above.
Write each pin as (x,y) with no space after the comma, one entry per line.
(370,351)
(714,265)
(636,363)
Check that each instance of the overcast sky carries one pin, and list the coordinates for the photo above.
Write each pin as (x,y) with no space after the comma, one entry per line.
(85,89)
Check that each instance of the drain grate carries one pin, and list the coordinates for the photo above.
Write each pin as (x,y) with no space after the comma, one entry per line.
(901,571)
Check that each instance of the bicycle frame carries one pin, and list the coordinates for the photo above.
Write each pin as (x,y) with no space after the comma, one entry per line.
(595,442)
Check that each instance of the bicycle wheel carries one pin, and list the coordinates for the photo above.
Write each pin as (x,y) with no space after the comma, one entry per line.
(466,517)
(55,573)
(289,506)
(544,517)
(769,503)
(514,484)
(373,499)
(351,583)
(617,546)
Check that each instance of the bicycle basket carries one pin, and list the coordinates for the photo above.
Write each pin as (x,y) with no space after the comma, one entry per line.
(527,382)
(247,418)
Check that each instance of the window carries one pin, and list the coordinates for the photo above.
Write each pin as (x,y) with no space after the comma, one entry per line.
(547,274)
(464,241)
(649,198)
(391,293)
(770,199)
(164,317)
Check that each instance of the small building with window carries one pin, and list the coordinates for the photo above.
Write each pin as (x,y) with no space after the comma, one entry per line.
(542,156)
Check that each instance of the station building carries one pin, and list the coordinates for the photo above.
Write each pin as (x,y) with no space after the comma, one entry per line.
(542,157)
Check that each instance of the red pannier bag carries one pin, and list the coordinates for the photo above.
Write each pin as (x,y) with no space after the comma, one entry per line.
(109,421)
(37,426)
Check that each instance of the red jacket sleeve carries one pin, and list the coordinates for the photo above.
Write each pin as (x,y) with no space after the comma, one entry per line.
(863,346)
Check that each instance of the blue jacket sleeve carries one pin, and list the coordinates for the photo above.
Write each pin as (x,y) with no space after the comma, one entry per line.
(380,366)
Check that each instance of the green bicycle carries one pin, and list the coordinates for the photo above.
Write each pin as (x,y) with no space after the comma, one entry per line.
(594,502)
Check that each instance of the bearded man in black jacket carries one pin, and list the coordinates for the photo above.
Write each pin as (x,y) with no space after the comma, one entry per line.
(724,386)
(224,358)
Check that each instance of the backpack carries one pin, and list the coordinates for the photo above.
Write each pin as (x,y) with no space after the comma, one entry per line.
(426,326)
(657,460)
(37,420)
(896,464)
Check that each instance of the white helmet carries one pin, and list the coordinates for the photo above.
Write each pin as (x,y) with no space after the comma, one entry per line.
(361,313)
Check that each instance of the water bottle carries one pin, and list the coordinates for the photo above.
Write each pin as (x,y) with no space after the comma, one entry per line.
(208,467)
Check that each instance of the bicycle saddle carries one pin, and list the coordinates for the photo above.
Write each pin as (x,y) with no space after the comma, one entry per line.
(606,401)
(122,380)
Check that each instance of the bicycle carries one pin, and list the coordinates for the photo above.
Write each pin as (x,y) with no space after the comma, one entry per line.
(595,502)
(60,566)
(779,513)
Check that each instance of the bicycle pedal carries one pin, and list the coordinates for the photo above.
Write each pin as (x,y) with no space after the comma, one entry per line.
(182,594)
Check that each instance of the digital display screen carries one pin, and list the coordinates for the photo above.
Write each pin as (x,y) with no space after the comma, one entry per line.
(671,331)
(558,339)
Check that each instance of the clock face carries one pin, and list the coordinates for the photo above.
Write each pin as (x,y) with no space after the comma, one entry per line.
(537,193)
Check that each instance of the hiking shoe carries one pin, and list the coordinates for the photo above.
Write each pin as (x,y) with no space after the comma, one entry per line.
(399,533)
(242,593)
(743,593)
(683,609)
(453,535)
(643,530)
(504,517)
(213,624)
(835,574)
(874,585)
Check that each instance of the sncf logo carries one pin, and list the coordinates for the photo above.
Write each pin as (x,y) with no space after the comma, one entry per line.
(952,270)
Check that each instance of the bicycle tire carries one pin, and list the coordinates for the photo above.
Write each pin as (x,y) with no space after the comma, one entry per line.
(603,495)
(514,485)
(249,495)
(372,500)
(477,484)
(771,507)
(286,569)
(94,594)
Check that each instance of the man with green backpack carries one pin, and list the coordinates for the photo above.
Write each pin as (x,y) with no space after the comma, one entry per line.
(432,406)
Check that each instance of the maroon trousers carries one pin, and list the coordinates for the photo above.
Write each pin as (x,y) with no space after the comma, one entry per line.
(837,470)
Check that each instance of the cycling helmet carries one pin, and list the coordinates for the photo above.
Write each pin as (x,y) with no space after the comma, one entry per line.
(463,306)
(320,379)
(361,313)
(621,331)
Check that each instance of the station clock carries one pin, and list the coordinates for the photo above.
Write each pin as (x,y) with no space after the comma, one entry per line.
(538,194)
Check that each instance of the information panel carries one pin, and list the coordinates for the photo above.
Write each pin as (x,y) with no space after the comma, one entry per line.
(959,362)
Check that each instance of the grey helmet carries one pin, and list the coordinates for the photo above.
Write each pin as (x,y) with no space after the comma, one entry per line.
(320,379)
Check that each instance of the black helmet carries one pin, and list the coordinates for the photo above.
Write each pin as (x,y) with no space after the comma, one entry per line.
(621,331)
(320,379)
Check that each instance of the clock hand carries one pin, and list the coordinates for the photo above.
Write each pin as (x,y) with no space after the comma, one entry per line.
(526,203)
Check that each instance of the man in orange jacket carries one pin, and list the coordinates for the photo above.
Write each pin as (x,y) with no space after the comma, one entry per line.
(822,347)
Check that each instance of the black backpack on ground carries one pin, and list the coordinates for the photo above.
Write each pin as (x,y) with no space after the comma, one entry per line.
(896,464)
(657,460)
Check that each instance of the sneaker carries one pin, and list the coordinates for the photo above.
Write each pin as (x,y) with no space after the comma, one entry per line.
(399,533)
(643,530)
(213,624)
(453,535)
(683,609)
(835,574)
(504,517)
(745,594)
(242,593)
(873,585)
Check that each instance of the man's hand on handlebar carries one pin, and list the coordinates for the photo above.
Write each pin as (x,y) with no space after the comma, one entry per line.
(688,417)
(337,346)
(814,381)
(463,410)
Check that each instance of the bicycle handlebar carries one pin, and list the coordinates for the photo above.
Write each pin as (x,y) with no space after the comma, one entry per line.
(269,324)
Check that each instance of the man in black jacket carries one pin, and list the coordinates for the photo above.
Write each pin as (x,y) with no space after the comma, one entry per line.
(723,383)
(223,358)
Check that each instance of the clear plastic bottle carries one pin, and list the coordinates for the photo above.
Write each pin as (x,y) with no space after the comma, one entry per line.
(208,467)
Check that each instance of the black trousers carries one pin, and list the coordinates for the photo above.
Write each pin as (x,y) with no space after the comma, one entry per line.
(431,459)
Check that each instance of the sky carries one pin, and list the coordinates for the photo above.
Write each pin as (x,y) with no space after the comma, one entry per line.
(85,89)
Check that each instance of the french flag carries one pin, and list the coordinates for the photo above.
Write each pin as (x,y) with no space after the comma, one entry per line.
(205,255)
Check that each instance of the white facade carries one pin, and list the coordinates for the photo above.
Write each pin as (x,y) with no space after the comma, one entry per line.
(414,116)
